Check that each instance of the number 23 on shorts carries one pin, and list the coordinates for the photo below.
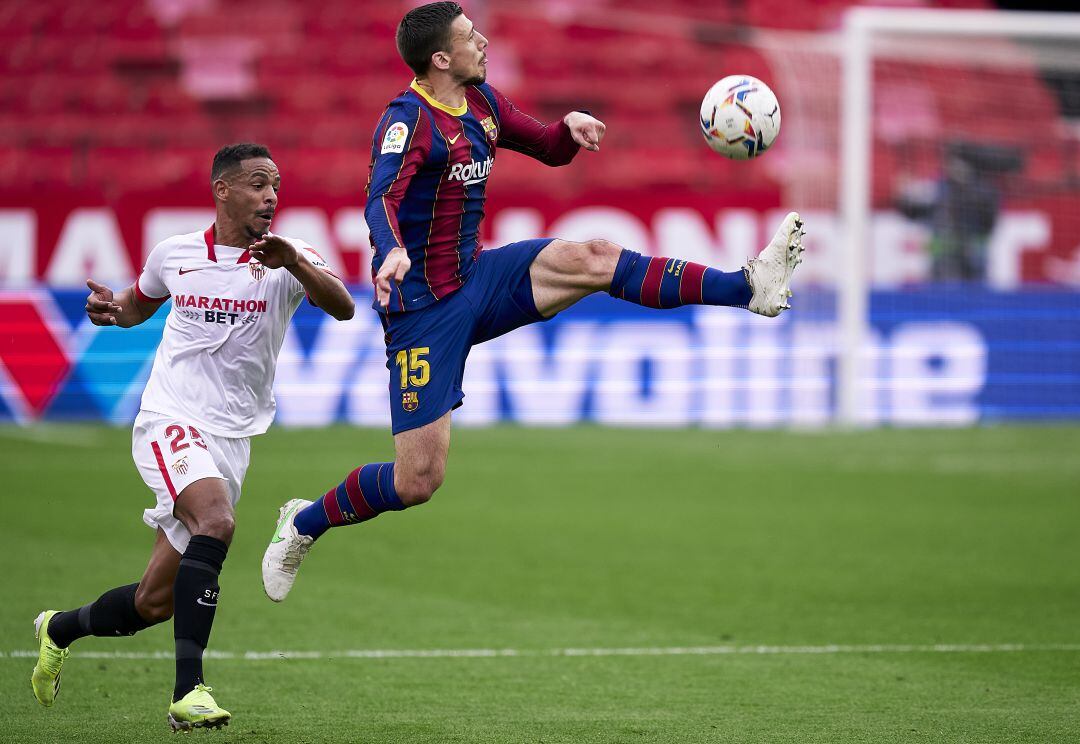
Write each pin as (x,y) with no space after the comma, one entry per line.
(415,370)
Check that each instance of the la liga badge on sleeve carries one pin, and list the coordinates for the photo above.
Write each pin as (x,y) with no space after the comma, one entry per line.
(395,138)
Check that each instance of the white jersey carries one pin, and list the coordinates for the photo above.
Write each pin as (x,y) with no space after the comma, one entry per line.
(216,361)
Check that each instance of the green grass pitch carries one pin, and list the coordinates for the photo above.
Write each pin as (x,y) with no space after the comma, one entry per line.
(589,538)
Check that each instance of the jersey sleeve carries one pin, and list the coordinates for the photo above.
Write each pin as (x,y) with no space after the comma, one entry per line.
(313,256)
(401,146)
(551,144)
(150,285)
(315,259)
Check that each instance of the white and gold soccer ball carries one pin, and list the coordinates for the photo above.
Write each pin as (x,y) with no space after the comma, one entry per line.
(740,117)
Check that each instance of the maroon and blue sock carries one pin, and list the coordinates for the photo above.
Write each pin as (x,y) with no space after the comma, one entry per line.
(670,282)
(366,493)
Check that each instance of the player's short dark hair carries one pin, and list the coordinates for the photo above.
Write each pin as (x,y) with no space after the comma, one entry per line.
(424,31)
(231,156)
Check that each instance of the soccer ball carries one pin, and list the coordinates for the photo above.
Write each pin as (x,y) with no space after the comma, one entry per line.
(740,117)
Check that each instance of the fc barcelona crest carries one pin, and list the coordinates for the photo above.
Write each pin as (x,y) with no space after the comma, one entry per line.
(258,271)
(410,400)
(489,128)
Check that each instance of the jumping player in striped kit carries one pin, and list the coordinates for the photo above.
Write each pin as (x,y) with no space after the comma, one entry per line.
(439,293)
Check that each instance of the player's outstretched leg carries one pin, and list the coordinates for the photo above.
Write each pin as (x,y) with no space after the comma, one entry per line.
(565,272)
(368,491)
(122,611)
(112,614)
(365,493)
(763,286)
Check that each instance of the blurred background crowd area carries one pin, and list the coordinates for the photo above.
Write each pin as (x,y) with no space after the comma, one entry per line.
(968,309)
(130,95)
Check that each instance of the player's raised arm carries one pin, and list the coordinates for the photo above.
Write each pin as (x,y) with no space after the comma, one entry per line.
(552,144)
(324,289)
(401,146)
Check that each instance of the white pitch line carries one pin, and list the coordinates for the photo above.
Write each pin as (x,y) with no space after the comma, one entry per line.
(475,653)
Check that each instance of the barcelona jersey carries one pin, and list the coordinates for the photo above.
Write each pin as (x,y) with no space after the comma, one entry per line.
(427,182)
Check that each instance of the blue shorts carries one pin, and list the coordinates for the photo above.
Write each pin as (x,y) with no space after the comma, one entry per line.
(426,349)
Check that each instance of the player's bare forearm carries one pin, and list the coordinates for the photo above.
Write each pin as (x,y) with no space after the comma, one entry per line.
(122,309)
(131,312)
(325,290)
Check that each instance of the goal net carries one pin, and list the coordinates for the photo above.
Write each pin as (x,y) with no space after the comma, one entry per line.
(946,144)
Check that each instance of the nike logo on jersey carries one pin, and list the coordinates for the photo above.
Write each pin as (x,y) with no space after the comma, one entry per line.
(455,138)
(188,271)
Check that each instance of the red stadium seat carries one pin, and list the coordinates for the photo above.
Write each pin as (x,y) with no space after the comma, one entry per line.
(109,80)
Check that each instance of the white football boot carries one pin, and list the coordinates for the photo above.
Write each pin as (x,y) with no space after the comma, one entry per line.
(286,550)
(769,274)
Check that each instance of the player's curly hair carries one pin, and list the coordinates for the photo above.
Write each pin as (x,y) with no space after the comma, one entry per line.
(424,31)
(230,156)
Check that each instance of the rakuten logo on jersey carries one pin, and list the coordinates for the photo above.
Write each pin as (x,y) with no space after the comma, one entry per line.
(219,310)
(470,173)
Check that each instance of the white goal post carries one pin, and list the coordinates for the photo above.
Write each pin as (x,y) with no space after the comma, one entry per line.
(864,29)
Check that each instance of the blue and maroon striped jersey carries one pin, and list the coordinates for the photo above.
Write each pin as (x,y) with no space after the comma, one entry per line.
(428,178)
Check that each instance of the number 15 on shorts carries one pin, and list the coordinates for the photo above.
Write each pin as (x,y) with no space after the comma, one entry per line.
(415,370)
